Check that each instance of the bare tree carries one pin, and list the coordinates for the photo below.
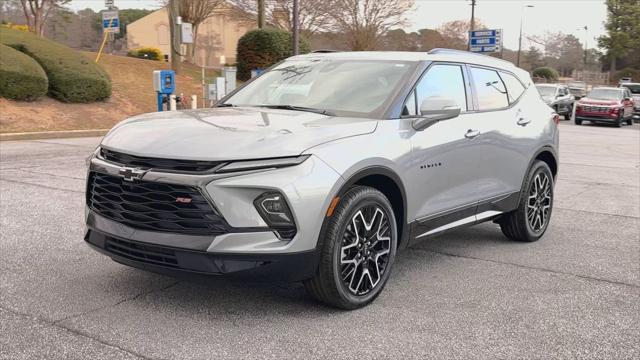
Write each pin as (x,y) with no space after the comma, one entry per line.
(196,12)
(456,33)
(364,22)
(313,13)
(37,12)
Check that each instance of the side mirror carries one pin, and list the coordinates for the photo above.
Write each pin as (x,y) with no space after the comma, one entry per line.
(434,109)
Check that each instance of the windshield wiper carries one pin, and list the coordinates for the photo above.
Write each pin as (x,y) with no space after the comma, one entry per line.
(299,108)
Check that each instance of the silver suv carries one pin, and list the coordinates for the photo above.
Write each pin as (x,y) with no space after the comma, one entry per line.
(325,166)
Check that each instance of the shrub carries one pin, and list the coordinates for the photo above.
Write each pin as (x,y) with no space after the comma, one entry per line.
(149,53)
(546,73)
(72,77)
(262,48)
(21,77)
(16,26)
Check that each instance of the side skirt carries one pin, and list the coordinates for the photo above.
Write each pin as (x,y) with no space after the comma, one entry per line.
(466,215)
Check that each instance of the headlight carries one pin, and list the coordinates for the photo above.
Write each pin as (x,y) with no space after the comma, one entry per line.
(262,164)
(273,208)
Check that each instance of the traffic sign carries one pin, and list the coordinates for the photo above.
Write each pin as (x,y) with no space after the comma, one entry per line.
(110,21)
(485,41)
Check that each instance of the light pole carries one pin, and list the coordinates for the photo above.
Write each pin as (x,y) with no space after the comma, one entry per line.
(520,38)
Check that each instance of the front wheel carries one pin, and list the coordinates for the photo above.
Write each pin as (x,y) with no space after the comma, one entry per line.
(578,122)
(531,219)
(630,121)
(357,252)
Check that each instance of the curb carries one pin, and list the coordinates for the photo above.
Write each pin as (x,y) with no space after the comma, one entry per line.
(38,135)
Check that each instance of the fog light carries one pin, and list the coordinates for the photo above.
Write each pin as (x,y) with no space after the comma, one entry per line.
(273,208)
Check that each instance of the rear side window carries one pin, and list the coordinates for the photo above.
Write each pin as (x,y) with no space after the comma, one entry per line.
(443,80)
(489,89)
(514,86)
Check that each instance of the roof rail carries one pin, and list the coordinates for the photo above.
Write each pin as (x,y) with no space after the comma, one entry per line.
(324,51)
(466,53)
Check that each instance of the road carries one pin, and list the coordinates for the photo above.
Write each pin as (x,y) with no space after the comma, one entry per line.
(468,294)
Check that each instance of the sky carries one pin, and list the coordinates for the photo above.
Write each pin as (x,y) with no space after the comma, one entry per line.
(567,16)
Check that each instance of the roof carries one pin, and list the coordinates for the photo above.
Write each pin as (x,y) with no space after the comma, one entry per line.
(444,55)
(607,88)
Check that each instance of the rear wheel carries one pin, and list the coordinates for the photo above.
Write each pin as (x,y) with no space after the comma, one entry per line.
(630,121)
(578,122)
(531,219)
(357,252)
(567,116)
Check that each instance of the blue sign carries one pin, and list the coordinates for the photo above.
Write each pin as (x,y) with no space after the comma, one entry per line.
(112,23)
(485,41)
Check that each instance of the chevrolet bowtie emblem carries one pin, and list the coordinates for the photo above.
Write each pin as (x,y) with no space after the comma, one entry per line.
(131,174)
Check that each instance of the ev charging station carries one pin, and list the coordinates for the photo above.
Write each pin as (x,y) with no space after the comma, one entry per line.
(164,83)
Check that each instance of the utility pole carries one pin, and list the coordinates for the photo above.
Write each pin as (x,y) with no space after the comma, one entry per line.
(296,27)
(261,16)
(174,27)
(472,23)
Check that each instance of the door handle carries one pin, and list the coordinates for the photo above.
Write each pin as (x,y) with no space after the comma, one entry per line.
(471,133)
(523,121)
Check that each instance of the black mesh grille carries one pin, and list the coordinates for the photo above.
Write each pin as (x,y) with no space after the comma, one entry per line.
(141,252)
(157,163)
(153,206)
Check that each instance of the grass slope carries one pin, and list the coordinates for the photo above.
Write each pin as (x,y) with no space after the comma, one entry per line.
(132,94)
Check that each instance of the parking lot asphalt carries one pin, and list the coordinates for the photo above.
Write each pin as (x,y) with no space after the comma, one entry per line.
(470,293)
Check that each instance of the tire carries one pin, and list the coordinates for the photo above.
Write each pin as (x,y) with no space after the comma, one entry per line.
(630,121)
(578,122)
(619,121)
(344,242)
(567,116)
(519,225)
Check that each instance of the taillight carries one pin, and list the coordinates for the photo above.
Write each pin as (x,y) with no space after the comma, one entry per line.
(556,119)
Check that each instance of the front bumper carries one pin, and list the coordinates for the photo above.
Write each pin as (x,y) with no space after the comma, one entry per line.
(249,247)
(593,118)
(180,261)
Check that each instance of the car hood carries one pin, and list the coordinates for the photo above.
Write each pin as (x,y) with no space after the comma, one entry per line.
(600,102)
(230,133)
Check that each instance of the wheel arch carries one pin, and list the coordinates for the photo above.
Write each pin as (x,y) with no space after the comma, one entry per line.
(548,155)
(390,184)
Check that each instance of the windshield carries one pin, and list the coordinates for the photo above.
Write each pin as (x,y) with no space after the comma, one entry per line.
(342,87)
(635,88)
(546,91)
(605,94)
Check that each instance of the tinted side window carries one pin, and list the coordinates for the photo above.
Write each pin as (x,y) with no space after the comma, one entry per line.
(514,86)
(443,80)
(489,88)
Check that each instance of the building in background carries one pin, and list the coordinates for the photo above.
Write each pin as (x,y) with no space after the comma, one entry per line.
(217,36)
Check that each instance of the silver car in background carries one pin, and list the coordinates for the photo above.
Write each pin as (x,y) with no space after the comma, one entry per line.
(325,166)
(558,97)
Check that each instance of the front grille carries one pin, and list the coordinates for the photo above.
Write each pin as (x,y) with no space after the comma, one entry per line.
(141,252)
(595,109)
(153,206)
(157,163)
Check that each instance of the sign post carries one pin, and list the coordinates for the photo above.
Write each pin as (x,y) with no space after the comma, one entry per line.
(110,25)
(485,41)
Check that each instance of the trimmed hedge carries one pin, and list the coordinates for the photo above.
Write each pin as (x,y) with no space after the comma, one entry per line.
(72,77)
(546,73)
(21,77)
(147,53)
(262,48)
